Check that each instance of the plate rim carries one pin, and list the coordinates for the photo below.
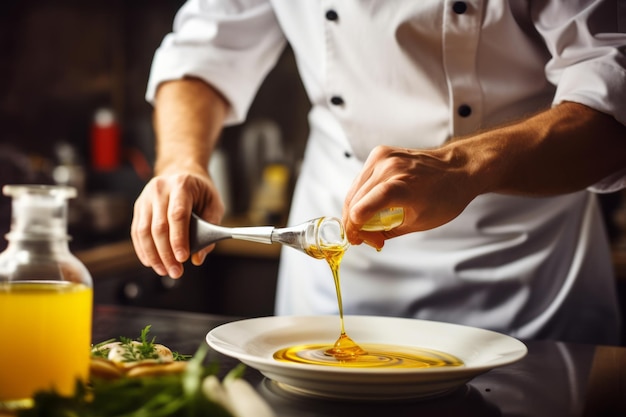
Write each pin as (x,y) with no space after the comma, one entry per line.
(218,345)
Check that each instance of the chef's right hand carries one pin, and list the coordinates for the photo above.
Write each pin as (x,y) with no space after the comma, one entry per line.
(160,226)
(431,186)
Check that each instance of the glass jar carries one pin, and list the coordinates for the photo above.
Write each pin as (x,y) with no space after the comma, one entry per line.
(46,299)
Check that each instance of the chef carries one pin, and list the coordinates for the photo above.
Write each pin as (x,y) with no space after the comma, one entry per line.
(491,123)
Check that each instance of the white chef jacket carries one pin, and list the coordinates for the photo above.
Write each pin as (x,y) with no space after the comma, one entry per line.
(414,74)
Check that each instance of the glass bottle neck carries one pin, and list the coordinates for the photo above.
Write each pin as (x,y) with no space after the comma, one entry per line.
(38,213)
(40,245)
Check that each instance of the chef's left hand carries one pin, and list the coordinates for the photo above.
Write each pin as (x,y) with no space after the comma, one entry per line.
(431,186)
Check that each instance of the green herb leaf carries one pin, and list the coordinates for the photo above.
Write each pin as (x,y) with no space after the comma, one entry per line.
(99,351)
(236,372)
(180,357)
(143,350)
(160,396)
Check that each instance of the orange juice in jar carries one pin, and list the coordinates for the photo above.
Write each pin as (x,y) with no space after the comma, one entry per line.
(45,301)
(45,334)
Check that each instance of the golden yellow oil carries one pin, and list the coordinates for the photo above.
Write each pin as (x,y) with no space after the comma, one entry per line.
(344,346)
(346,352)
(375,356)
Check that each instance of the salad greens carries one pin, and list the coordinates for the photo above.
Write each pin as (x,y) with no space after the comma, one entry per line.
(171,395)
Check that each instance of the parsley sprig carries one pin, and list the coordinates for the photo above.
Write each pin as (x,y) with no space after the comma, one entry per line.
(143,350)
(100,351)
(165,396)
(134,350)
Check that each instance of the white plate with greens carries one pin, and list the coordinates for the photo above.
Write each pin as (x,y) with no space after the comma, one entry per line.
(254,342)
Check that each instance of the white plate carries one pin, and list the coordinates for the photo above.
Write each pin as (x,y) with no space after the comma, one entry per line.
(254,341)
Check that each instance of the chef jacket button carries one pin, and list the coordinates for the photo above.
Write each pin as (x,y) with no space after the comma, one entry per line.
(459,7)
(336,100)
(332,15)
(347,154)
(464,110)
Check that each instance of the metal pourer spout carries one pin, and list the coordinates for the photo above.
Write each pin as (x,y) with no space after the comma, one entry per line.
(203,233)
(314,234)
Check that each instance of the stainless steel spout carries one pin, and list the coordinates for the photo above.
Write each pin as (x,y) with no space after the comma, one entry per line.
(319,233)
(203,233)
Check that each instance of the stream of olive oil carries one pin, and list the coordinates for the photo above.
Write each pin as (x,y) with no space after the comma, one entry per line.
(346,352)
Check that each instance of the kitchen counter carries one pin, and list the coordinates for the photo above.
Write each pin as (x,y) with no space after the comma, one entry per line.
(121,255)
(118,255)
(554,379)
(216,286)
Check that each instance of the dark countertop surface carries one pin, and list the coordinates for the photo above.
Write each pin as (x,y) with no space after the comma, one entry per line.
(554,380)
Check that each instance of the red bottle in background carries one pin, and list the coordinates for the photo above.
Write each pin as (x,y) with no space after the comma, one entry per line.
(105,141)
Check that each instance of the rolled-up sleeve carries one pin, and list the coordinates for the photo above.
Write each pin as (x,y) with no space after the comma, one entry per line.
(587,41)
(231,45)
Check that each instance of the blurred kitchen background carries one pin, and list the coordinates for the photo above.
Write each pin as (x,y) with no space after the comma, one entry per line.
(72,111)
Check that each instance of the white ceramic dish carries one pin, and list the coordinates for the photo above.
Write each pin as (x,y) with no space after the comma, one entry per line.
(254,341)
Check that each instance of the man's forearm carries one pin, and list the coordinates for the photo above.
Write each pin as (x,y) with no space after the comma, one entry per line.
(188,119)
(561,150)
